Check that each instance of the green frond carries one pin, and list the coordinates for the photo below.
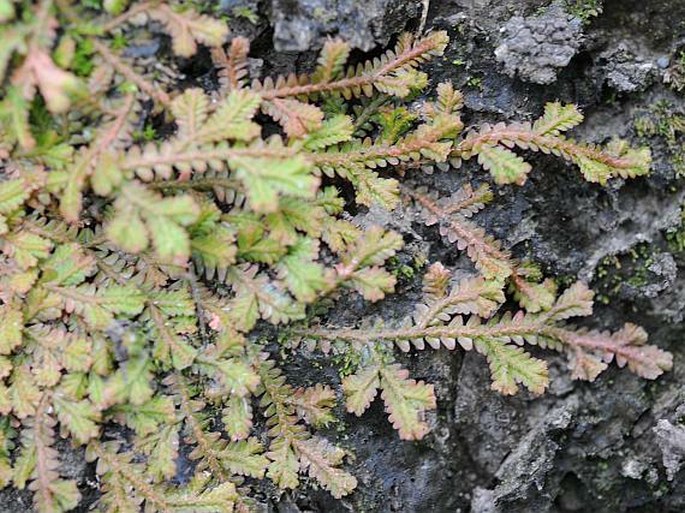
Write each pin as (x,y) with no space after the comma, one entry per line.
(406,401)
(336,130)
(504,165)
(361,389)
(161,449)
(558,118)
(13,194)
(511,365)
(11,327)
(142,217)
(331,61)
(266,179)
(532,296)
(302,275)
(321,459)
(232,119)
(190,110)
(237,417)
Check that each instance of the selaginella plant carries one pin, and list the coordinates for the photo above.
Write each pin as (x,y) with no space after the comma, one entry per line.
(147,229)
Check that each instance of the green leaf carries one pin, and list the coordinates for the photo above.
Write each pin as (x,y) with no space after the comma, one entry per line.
(558,118)
(265,179)
(331,61)
(99,305)
(320,458)
(26,248)
(534,297)
(191,110)
(190,28)
(301,274)
(504,165)
(335,130)
(107,175)
(406,401)
(127,230)
(142,215)
(62,496)
(373,283)
(244,458)
(361,389)
(24,394)
(237,417)
(161,449)
(148,417)
(511,365)
(234,375)
(233,119)
(13,194)
(215,251)
(13,40)
(68,265)
(14,109)
(314,404)
(80,418)
(11,327)
(131,383)
(372,189)
(576,301)
(284,465)
(374,247)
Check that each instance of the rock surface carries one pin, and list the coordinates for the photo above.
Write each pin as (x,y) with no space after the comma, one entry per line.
(537,47)
(301,25)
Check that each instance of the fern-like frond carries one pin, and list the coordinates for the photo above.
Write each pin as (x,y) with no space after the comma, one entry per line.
(232,65)
(189,28)
(392,73)
(406,400)
(39,465)
(292,447)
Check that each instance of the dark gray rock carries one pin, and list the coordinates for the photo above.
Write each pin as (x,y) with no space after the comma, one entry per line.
(671,441)
(536,47)
(626,71)
(301,25)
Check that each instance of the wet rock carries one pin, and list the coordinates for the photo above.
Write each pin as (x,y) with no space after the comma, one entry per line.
(537,47)
(302,25)
(524,472)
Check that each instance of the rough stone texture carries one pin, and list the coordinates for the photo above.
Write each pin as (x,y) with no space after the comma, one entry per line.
(671,441)
(301,25)
(536,47)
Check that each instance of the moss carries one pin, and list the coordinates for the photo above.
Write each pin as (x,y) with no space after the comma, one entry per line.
(247,13)
(475,82)
(631,269)
(675,74)
(584,10)
(664,122)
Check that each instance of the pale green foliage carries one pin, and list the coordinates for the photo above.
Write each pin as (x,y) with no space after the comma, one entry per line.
(146,231)
(406,400)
